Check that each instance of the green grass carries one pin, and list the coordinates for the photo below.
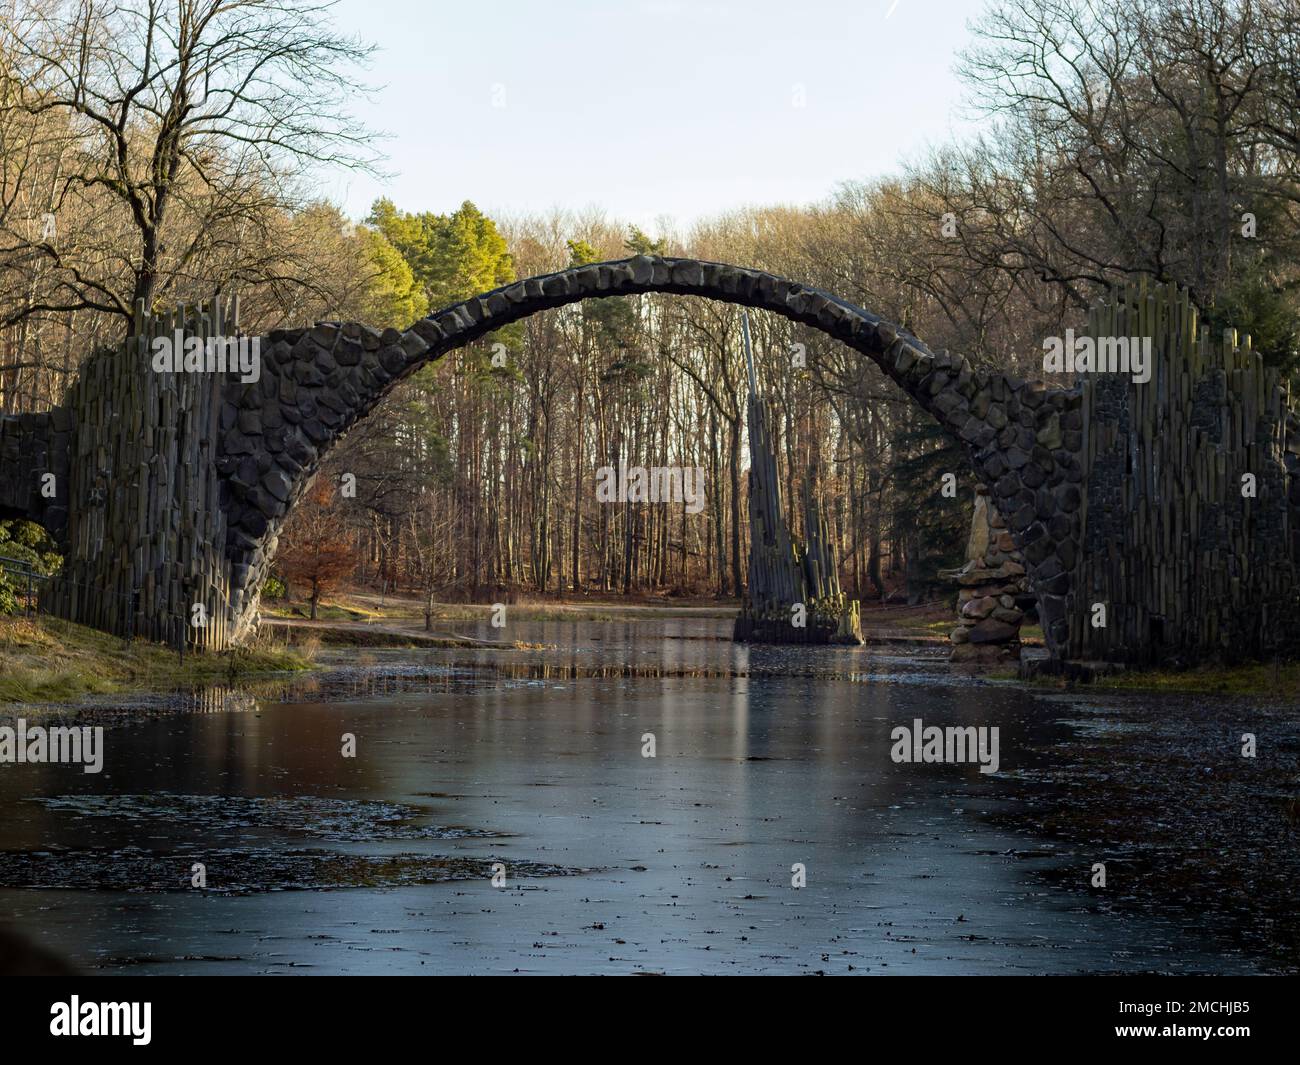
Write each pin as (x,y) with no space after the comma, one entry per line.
(1028,633)
(1282,679)
(329,611)
(45,660)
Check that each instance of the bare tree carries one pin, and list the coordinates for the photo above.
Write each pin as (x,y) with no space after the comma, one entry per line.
(188,122)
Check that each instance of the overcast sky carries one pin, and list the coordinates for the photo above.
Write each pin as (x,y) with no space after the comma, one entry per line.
(649,108)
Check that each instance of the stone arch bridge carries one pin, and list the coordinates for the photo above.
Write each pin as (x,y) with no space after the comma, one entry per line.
(171,489)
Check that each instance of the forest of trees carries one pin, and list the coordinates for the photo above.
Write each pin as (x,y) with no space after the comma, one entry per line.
(162,152)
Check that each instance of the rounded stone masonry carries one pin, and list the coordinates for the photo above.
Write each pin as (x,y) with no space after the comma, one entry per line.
(316,383)
(993,590)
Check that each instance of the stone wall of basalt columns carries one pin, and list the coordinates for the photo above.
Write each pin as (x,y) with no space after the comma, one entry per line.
(171,489)
(176,488)
(1192,508)
(145,533)
(32,446)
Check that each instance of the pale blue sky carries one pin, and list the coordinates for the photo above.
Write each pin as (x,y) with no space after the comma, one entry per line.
(650,108)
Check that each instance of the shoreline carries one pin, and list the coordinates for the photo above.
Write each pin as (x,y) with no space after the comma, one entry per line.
(45,660)
(1131,777)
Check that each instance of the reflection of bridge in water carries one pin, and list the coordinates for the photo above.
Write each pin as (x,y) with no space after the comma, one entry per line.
(469,677)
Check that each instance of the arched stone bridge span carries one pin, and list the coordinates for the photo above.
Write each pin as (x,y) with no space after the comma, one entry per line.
(173,491)
(316,383)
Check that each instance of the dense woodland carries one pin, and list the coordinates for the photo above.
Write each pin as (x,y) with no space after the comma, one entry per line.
(161,153)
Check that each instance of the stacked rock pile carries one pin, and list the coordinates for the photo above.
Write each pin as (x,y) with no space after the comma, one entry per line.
(994,591)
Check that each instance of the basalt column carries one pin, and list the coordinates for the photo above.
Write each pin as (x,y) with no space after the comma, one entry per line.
(145,537)
(794,593)
(34,468)
(1191,512)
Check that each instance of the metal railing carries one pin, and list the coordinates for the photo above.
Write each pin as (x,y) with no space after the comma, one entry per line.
(27,575)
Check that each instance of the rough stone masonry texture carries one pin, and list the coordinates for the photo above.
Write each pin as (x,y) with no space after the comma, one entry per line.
(1023,440)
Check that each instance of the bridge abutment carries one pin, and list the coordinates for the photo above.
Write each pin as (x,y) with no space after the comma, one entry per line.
(144,536)
(1191,505)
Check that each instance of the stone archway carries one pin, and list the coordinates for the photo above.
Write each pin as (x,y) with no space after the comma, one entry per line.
(166,492)
(316,383)
(171,493)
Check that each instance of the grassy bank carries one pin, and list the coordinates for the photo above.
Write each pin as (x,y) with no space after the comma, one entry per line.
(44,660)
(1278,679)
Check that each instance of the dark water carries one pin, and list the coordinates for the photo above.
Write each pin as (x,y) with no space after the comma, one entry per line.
(614,862)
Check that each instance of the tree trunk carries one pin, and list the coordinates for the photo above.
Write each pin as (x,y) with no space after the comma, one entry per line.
(737,583)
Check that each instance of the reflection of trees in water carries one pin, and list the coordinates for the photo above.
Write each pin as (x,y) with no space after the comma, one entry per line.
(468,676)
(217,699)
(471,677)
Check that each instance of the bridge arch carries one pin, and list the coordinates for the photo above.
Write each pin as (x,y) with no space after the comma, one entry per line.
(316,383)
